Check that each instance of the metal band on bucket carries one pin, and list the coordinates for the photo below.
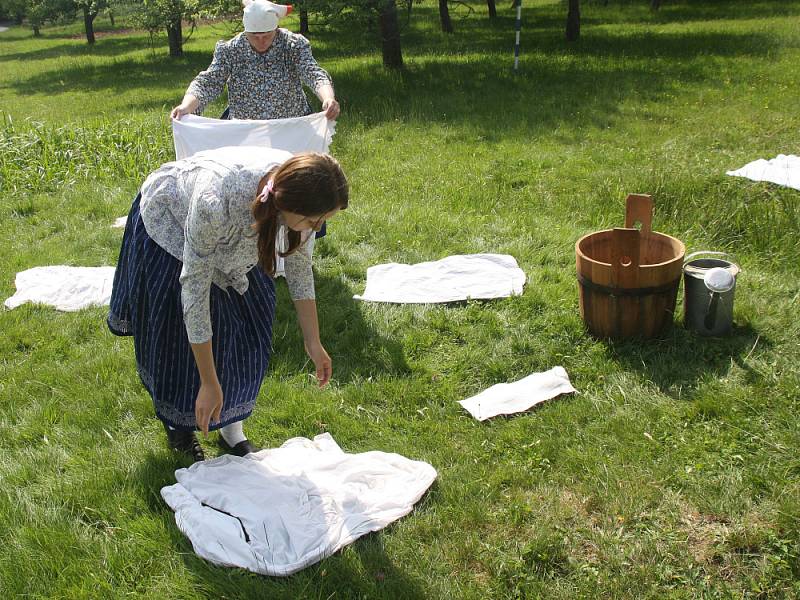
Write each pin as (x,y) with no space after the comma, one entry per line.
(615,291)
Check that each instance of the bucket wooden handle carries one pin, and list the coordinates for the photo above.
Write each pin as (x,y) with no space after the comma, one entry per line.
(639,207)
(625,258)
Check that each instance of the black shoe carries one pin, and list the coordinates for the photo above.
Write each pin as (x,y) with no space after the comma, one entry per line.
(243,448)
(186,442)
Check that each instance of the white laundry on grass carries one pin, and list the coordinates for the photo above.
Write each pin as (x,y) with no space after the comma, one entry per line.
(280,510)
(784,170)
(451,279)
(510,398)
(65,288)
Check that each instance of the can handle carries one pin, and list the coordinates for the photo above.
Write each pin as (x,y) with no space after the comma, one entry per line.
(706,252)
(710,320)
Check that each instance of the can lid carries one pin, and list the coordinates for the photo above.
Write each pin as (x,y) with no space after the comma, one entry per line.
(718,280)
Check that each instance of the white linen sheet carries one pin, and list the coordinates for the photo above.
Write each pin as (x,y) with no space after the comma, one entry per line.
(312,133)
(510,398)
(454,278)
(782,170)
(65,288)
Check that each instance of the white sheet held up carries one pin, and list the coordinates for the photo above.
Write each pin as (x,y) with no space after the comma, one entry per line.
(312,133)
(278,511)
(65,288)
(510,398)
(783,169)
(459,277)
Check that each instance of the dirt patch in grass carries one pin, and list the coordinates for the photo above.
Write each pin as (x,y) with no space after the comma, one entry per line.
(705,534)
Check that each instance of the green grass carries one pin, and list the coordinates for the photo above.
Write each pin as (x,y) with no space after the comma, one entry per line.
(673,473)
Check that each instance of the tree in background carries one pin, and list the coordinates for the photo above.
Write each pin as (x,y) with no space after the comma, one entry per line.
(90,9)
(168,15)
(573,20)
(13,10)
(444,17)
(361,14)
(39,12)
(390,35)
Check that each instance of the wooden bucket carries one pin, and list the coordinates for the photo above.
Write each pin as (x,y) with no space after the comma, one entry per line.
(628,278)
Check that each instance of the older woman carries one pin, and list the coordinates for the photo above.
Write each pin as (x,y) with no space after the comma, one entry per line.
(265,68)
(194,288)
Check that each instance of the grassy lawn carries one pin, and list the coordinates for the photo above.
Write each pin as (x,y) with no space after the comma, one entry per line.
(675,471)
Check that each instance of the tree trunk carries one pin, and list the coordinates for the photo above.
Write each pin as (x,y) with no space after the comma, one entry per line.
(444,17)
(492,9)
(88,23)
(655,4)
(36,32)
(175,37)
(390,36)
(573,20)
(111,17)
(303,21)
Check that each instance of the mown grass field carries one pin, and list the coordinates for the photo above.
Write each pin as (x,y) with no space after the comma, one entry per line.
(674,472)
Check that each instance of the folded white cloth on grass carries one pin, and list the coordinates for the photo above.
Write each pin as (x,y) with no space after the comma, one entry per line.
(65,288)
(312,133)
(509,398)
(459,277)
(783,169)
(280,510)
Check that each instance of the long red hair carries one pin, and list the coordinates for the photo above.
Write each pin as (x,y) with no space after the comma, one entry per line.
(308,184)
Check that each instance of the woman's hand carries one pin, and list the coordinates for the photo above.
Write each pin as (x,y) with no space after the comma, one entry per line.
(322,362)
(178,112)
(331,109)
(208,406)
(188,105)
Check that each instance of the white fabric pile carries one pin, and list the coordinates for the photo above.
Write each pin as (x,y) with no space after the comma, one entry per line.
(454,278)
(65,288)
(783,169)
(280,510)
(509,398)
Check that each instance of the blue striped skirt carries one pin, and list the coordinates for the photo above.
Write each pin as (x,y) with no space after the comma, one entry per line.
(146,304)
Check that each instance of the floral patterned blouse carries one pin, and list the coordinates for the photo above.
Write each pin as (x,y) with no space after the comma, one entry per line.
(198,210)
(261,86)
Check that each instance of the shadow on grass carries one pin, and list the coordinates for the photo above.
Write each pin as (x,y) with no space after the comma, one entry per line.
(357,350)
(74,49)
(681,359)
(453,88)
(594,13)
(372,575)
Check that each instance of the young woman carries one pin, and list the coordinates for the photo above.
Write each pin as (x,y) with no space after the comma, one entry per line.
(194,288)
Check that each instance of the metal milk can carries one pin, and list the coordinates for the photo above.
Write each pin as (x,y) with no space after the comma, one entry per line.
(709,285)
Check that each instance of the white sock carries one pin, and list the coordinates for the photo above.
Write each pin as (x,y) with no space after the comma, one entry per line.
(232,434)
